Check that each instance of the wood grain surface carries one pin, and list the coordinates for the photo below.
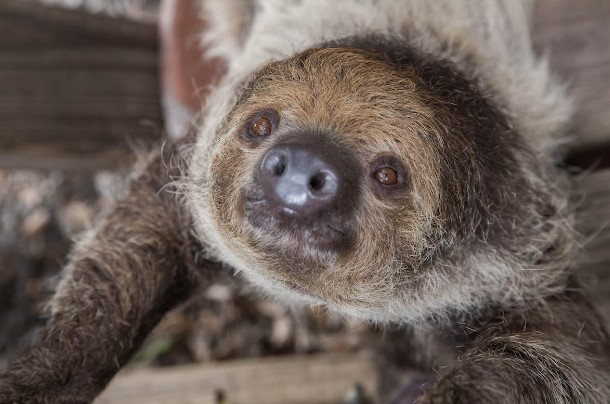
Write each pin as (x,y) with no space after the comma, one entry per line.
(320,379)
(77,91)
(575,36)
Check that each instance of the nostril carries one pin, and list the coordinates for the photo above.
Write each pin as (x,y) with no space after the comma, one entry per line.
(317,182)
(274,164)
(279,166)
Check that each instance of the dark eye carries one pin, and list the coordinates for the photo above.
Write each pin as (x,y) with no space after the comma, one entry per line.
(262,125)
(389,176)
(386,176)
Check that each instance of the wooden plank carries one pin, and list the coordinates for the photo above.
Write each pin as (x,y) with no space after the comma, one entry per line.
(316,379)
(77,91)
(576,37)
(27,23)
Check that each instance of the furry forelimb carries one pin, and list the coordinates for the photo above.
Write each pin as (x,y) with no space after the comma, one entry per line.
(555,353)
(118,283)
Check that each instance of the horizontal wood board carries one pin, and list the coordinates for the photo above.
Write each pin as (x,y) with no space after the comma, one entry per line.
(77,91)
(321,379)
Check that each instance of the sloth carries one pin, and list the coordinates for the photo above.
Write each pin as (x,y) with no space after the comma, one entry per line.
(393,161)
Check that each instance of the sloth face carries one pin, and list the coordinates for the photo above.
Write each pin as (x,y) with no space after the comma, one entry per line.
(358,178)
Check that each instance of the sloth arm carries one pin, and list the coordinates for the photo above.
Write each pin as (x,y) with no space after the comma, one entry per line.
(119,281)
(556,353)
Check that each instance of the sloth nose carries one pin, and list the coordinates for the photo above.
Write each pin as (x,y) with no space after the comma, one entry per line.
(304,178)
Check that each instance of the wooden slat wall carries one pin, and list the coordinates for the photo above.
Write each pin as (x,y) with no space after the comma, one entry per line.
(592,200)
(77,91)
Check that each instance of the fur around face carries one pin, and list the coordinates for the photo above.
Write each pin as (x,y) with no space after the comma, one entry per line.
(484,220)
(453,90)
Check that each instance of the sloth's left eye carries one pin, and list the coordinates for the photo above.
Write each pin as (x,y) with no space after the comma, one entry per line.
(389,176)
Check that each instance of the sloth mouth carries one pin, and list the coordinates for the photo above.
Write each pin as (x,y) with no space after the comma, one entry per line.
(326,232)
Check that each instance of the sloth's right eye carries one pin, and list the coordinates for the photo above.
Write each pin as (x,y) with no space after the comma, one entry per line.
(389,175)
(386,176)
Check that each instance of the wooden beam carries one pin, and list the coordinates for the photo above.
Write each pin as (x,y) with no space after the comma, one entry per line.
(319,379)
(77,91)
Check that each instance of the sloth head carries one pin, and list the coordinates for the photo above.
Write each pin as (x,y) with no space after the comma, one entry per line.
(373,180)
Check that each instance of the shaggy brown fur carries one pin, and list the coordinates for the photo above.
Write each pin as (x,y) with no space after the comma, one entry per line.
(473,242)
(139,262)
(556,352)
